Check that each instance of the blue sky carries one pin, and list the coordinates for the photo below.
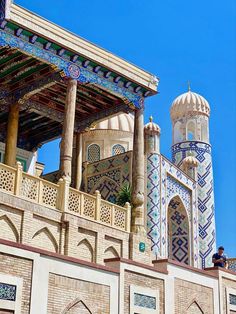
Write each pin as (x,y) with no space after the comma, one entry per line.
(177,41)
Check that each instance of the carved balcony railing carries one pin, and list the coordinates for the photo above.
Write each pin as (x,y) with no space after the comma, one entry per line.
(62,197)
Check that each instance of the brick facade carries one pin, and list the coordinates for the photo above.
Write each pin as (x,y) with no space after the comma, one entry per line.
(19,267)
(132,278)
(68,295)
(49,229)
(227,283)
(190,297)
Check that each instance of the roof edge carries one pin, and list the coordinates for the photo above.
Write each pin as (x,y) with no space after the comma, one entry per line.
(59,35)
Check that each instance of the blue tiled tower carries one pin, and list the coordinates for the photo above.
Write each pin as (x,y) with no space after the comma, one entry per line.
(190,121)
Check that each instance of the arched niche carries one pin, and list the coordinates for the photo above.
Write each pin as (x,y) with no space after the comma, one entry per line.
(8,230)
(191,131)
(44,239)
(76,306)
(194,308)
(93,153)
(85,251)
(204,131)
(178,134)
(111,252)
(178,231)
(117,149)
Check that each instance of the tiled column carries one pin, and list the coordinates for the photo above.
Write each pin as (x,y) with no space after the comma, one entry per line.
(12,133)
(68,129)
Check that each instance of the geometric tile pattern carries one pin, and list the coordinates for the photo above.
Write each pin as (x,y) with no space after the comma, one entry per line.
(175,187)
(153,201)
(108,176)
(93,153)
(232,299)
(175,182)
(69,68)
(117,149)
(146,301)
(7,292)
(164,182)
(178,231)
(202,152)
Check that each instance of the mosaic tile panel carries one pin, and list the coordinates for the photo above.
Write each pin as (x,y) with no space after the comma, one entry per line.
(178,232)
(205,202)
(145,301)
(153,201)
(108,176)
(175,182)
(232,299)
(175,187)
(7,292)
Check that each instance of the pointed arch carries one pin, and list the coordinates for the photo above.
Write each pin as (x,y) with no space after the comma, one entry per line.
(93,152)
(194,308)
(179,197)
(204,131)
(44,239)
(178,231)
(191,130)
(85,250)
(118,149)
(78,305)
(111,252)
(178,133)
(11,233)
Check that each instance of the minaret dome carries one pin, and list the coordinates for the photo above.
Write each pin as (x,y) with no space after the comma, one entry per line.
(190,118)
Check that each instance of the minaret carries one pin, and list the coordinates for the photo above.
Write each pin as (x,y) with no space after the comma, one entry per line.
(190,114)
(152,156)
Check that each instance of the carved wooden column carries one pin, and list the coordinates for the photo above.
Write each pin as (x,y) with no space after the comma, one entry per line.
(137,221)
(139,244)
(68,129)
(79,151)
(12,133)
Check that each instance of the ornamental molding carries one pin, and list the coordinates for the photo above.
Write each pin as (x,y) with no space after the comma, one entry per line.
(70,69)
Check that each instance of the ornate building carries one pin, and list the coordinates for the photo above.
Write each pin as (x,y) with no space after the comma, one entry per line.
(65,245)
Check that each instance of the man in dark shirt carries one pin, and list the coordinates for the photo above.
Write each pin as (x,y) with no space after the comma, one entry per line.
(219,259)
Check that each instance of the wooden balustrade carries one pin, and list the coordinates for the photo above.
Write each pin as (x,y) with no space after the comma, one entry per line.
(62,197)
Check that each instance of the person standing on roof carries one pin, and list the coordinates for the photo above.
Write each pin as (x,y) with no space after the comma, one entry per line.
(219,259)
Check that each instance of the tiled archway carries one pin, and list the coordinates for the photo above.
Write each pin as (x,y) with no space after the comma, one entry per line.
(178,231)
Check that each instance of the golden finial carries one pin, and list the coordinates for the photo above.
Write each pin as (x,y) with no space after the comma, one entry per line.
(151,118)
(189,87)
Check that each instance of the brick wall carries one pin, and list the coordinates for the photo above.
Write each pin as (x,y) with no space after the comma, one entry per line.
(190,297)
(10,223)
(49,229)
(18,267)
(68,295)
(132,278)
(227,283)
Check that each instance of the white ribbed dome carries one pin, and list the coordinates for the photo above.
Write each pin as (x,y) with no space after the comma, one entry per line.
(189,104)
(151,127)
(190,161)
(120,122)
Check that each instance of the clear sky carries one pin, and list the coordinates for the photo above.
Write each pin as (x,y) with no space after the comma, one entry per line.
(177,41)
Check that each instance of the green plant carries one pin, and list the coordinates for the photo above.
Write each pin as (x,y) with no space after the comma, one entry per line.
(124,195)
